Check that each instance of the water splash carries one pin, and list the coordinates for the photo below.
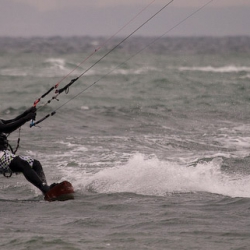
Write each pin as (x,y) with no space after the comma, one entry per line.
(155,177)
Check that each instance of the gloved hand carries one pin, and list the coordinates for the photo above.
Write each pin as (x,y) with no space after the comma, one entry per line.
(30,116)
(30,110)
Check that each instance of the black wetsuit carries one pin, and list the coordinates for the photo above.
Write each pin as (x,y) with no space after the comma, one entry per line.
(34,174)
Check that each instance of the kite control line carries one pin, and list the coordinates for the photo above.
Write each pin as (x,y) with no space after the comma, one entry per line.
(66,87)
(97,49)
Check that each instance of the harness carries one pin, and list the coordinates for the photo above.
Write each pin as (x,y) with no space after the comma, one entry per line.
(4,145)
(3,142)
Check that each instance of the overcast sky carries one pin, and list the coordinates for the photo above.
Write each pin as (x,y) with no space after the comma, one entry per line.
(105,17)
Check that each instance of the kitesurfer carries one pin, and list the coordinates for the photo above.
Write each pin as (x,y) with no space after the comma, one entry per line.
(12,163)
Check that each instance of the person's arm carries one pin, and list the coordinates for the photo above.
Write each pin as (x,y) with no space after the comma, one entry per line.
(30,110)
(11,125)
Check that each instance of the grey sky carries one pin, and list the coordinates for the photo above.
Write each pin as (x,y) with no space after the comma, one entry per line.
(105,17)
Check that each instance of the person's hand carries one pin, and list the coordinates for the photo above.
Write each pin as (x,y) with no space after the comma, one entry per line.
(30,116)
(30,110)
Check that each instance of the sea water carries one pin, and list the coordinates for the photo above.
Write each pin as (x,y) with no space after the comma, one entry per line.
(157,148)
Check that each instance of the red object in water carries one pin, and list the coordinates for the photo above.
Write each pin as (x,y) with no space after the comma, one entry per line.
(61,192)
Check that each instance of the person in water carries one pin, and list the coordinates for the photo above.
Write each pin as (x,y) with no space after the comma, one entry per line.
(11,163)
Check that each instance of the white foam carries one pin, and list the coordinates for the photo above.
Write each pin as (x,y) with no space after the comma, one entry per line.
(139,71)
(155,177)
(56,67)
(58,63)
(224,69)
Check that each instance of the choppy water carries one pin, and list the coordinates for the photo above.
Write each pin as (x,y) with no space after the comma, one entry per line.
(157,150)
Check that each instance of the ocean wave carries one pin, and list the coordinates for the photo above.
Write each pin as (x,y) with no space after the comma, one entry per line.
(15,72)
(155,177)
(60,67)
(224,69)
(65,45)
(245,77)
(56,63)
(51,67)
(138,71)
